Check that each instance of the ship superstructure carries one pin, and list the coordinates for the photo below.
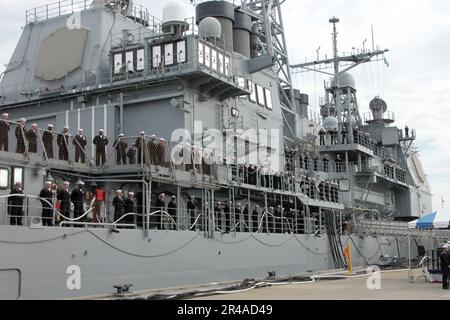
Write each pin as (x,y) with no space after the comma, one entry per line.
(209,103)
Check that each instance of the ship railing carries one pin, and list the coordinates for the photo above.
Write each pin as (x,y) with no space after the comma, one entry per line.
(31,212)
(138,13)
(387,116)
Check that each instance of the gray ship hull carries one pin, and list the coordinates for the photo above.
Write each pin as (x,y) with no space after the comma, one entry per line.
(38,263)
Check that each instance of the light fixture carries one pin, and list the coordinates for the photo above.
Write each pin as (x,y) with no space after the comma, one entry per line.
(235,112)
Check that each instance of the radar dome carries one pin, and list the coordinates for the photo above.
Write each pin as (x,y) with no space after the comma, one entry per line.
(378,104)
(210,28)
(330,123)
(346,80)
(174,11)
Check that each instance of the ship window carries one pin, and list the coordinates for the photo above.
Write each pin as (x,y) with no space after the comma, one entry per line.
(221,64)
(129,56)
(253,90)
(207,57)
(117,63)
(4,178)
(17,175)
(269,103)
(227,66)
(201,53)
(214,60)
(156,56)
(260,95)
(168,54)
(181,51)
(140,60)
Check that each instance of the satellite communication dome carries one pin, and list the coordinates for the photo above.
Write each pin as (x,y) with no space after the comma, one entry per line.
(210,28)
(346,80)
(174,11)
(330,123)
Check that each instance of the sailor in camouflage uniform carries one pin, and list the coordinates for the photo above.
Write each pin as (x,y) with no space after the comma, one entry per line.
(152,148)
(100,141)
(161,152)
(121,149)
(21,132)
(80,142)
(32,136)
(4,132)
(47,140)
(63,143)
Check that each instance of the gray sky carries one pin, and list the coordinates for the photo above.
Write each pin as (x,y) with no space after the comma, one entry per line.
(416,86)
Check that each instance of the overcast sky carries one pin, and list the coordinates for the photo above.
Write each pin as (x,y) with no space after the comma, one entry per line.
(416,86)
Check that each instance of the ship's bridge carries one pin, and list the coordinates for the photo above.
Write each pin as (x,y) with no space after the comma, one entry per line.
(203,62)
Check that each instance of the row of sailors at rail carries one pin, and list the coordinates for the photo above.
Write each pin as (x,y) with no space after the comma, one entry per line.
(307,163)
(164,214)
(330,137)
(154,149)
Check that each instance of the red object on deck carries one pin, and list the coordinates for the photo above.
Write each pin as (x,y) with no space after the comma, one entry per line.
(100,195)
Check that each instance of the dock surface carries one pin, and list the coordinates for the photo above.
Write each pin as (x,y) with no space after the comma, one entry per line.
(394,285)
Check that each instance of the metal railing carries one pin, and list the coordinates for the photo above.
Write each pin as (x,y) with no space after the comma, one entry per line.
(66,7)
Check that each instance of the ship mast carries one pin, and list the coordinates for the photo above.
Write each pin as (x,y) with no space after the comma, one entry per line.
(345,111)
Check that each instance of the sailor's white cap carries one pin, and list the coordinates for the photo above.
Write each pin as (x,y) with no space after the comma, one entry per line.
(66,127)
(121,135)
(101,130)
(66,183)
(50,126)
(5,115)
(118,191)
(131,193)
(142,132)
(34,125)
(81,130)
(23,120)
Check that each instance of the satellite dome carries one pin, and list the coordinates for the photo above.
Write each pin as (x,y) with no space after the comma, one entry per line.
(346,80)
(330,123)
(210,28)
(174,11)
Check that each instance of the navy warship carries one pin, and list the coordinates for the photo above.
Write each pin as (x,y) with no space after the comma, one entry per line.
(110,112)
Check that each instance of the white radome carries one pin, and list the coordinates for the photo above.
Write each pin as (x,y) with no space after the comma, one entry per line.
(210,27)
(174,11)
(330,123)
(346,80)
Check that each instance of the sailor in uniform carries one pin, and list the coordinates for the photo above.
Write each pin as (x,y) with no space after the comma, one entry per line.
(322,135)
(191,207)
(21,132)
(63,142)
(47,140)
(77,197)
(80,142)
(46,197)
(172,209)
(4,133)
(152,148)
(131,154)
(119,206)
(130,207)
(160,206)
(121,150)
(161,152)
(32,136)
(63,196)
(100,141)
(140,145)
(16,205)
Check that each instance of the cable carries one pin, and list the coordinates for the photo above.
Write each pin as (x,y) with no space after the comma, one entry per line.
(139,255)
(44,240)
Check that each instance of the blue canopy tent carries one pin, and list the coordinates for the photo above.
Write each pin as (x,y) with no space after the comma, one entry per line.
(431,223)
(436,220)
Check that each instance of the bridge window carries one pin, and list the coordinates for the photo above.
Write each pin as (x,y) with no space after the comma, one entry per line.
(4,178)
(17,175)
(269,103)
(260,94)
